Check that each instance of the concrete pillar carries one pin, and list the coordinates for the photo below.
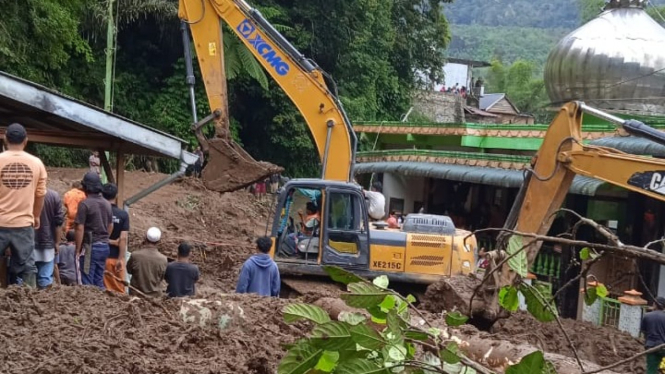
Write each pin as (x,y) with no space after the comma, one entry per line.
(630,313)
(528,280)
(591,313)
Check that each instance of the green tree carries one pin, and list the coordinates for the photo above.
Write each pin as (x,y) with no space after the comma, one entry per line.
(38,38)
(521,83)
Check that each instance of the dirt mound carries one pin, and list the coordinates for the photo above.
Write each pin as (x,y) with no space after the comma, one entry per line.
(450,294)
(83,330)
(603,345)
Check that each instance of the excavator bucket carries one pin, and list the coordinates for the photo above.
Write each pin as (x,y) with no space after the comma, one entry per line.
(231,168)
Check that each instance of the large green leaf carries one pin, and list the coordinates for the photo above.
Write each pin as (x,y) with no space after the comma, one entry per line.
(381,281)
(327,362)
(332,336)
(299,359)
(454,319)
(352,318)
(342,276)
(397,353)
(508,298)
(360,366)
(416,335)
(367,337)
(536,304)
(364,295)
(395,323)
(378,315)
(601,290)
(389,302)
(296,312)
(518,262)
(590,295)
(450,354)
(533,363)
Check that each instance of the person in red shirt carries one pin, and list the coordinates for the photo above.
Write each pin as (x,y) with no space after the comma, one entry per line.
(392,220)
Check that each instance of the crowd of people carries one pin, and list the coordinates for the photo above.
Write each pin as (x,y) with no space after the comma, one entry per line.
(456,89)
(81,237)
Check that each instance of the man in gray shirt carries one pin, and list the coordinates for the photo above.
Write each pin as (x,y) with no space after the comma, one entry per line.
(47,238)
(653,327)
(94,223)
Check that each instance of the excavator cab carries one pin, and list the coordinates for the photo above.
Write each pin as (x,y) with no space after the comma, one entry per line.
(340,237)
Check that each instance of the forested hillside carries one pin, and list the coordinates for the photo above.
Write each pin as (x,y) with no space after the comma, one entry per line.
(514,13)
(517,29)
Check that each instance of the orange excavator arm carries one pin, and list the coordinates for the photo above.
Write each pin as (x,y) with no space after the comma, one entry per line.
(300,78)
(562,156)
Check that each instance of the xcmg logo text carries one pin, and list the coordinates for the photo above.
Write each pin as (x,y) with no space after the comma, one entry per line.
(248,31)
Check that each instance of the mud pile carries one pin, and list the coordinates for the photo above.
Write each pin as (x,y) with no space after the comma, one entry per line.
(602,345)
(84,330)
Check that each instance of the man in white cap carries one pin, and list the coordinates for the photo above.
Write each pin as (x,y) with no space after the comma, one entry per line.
(147,266)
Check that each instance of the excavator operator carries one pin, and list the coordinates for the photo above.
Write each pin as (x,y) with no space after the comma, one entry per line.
(310,223)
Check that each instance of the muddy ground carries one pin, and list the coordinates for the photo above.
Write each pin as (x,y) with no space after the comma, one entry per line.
(82,330)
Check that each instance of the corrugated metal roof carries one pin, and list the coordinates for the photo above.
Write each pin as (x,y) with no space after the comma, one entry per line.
(487,100)
(479,112)
(632,144)
(472,174)
(56,115)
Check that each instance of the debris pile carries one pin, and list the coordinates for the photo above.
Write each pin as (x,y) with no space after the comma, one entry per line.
(84,330)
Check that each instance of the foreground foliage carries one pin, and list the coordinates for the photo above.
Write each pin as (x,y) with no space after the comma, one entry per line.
(384,339)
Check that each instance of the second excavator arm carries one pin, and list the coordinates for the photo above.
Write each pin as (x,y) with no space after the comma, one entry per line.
(560,157)
(300,78)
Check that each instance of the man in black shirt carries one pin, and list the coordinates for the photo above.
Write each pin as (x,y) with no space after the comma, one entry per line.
(653,327)
(115,263)
(93,225)
(181,275)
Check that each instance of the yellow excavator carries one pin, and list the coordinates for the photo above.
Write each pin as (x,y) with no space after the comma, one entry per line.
(426,249)
(561,156)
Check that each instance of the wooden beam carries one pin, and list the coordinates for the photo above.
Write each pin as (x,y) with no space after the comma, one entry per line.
(106,165)
(70,139)
(120,182)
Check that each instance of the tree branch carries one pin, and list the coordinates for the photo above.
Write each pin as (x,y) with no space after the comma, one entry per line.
(558,321)
(492,271)
(623,250)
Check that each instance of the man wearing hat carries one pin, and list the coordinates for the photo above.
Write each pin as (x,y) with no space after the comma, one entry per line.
(653,327)
(22,191)
(147,266)
(94,223)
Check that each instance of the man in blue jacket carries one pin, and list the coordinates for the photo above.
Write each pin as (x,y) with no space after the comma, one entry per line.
(259,273)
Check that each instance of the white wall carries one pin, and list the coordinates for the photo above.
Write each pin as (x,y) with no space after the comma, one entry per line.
(403,187)
(455,73)
(661,281)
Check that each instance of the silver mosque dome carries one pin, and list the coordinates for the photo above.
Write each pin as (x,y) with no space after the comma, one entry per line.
(615,62)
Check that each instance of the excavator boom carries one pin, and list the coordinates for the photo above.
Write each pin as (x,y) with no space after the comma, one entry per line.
(229,166)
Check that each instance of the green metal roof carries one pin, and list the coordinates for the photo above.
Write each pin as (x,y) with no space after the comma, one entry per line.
(632,144)
(451,154)
(472,174)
